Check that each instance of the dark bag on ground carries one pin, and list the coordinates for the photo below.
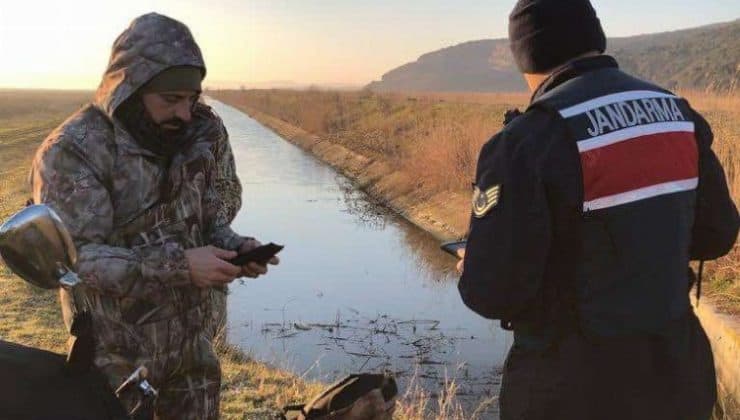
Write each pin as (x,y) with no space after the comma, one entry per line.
(356,397)
(39,385)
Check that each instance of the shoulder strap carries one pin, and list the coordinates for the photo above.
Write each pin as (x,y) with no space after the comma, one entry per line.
(81,355)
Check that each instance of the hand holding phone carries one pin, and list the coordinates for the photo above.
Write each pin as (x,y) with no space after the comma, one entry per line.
(453,248)
(260,255)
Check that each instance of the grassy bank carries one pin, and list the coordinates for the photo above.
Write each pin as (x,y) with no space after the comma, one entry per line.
(428,145)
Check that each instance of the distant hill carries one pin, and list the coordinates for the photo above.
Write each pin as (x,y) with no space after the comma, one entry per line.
(706,57)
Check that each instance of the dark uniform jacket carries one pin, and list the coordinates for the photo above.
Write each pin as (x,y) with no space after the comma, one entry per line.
(589,206)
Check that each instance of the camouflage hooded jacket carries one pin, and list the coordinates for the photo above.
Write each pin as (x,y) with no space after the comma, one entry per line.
(109,190)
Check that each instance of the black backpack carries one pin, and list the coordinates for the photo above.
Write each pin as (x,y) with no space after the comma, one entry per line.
(39,385)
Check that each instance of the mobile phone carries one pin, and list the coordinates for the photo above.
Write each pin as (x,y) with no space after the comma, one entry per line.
(261,255)
(452,247)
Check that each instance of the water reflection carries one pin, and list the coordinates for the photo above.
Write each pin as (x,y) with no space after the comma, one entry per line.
(433,264)
(358,288)
(367,213)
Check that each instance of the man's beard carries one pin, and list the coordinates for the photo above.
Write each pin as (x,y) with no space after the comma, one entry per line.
(148,133)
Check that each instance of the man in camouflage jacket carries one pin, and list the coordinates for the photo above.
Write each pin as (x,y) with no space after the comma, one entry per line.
(148,203)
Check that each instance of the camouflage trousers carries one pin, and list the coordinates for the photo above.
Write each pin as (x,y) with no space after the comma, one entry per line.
(216,322)
(179,356)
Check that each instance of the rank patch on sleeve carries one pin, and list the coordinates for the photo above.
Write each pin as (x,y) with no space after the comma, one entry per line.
(484,201)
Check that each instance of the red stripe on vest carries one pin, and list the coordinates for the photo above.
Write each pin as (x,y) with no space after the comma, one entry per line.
(639,162)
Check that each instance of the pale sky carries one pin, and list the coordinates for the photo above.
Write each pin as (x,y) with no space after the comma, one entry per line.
(66,44)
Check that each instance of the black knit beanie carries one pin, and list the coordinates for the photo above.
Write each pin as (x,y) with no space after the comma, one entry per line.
(174,79)
(547,33)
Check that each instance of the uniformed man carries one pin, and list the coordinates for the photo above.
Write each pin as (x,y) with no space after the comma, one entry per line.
(586,212)
(144,179)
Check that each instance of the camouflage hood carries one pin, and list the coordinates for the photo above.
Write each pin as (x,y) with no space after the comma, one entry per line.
(151,44)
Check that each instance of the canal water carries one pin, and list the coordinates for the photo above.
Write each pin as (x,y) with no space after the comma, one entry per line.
(358,288)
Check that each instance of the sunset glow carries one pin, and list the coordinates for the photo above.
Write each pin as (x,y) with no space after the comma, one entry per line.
(265,43)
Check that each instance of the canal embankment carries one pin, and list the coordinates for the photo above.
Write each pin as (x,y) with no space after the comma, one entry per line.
(440,214)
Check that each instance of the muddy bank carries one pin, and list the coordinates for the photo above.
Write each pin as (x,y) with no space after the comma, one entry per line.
(440,214)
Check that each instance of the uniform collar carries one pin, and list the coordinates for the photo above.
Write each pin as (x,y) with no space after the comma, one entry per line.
(572,70)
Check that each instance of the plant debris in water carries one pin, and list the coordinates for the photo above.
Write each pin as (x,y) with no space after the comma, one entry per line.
(382,343)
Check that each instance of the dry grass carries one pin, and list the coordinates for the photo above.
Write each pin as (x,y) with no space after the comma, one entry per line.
(723,113)
(416,403)
(434,137)
(26,117)
(30,316)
